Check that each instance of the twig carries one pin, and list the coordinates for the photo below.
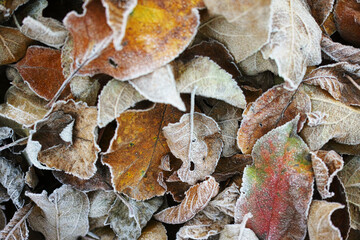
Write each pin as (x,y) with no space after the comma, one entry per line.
(17,142)
(353,82)
(192,108)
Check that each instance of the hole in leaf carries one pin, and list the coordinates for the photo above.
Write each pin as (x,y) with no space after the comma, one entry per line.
(192,166)
(113,63)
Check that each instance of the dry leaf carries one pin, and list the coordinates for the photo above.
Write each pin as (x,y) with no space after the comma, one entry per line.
(350,176)
(319,223)
(321,9)
(8,7)
(294,42)
(230,166)
(256,64)
(326,165)
(196,199)
(278,188)
(39,62)
(62,215)
(238,231)
(329,27)
(159,86)
(339,52)
(199,150)
(5,133)
(334,79)
(17,228)
(338,125)
(136,150)
(79,158)
(31,179)
(13,45)
(100,203)
(274,108)
(2,220)
(342,148)
(115,98)
(244,26)
(154,230)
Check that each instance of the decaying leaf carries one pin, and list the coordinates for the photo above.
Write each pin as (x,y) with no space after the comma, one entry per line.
(199,150)
(210,80)
(31,179)
(334,78)
(244,26)
(277,189)
(8,7)
(17,228)
(350,176)
(321,9)
(115,98)
(100,203)
(340,123)
(136,150)
(154,230)
(62,215)
(238,231)
(319,223)
(339,52)
(225,201)
(77,159)
(274,108)
(13,45)
(326,165)
(294,42)
(196,199)
(230,166)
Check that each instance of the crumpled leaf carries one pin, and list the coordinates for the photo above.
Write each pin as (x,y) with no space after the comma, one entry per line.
(225,201)
(159,86)
(62,215)
(12,178)
(196,199)
(127,217)
(244,26)
(238,231)
(17,228)
(340,123)
(7,8)
(199,154)
(319,223)
(77,159)
(278,188)
(210,80)
(13,44)
(321,9)
(154,230)
(274,108)
(350,177)
(39,62)
(136,150)
(294,42)
(326,165)
(339,52)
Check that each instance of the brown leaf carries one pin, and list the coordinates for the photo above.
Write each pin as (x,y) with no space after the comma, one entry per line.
(274,108)
(79,158)
(342,148)
(153,230)
(17,227)
(329,27)
(326,165)
(136,151)
(321,9)
(196,199)
(340,52)
(319,222)
(8,7)
(39,62)
(13,45)
(238,231)
(229,166)
(256,64)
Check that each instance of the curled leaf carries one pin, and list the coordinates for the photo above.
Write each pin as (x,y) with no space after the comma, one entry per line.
(17,227)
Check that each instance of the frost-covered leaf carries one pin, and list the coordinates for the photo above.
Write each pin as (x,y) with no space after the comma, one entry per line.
(62,215)
(5,133)
(238,231)
(230,166)
(196,199)
(154,230)
(17,227)
(277,189)
(199,150)
(256,64)
(321,9)
(8,7)
(340,52)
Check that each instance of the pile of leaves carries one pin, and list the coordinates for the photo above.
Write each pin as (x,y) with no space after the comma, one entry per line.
(181,119)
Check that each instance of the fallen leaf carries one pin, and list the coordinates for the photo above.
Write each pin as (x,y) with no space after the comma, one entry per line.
(340,52)
(334,79)
(319,223)
(294,42)
(225,201)
(80,157)
(196,199)
(62,215)
(4,197)
(350,176)
(39,62)
(136,150)
(5,133)
(173,185)
(2,220)
(160,87)
(329,26)
(339,123)
(210,79)
(321,9)
(8,7)
(278,188)
(103,233)
(154,230)
(17,227)
(100,203)
(274,108)
(115,98)
(238,231)
(229,166)
(31,179)
(199,150)
(256,64)
(244,26)
(13,45)
(326,165)
(342,148)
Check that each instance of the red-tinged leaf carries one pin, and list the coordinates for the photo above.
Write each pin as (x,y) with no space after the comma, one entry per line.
(196,199)
(278,188)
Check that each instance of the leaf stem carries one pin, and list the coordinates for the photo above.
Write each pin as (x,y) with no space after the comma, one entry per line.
(353,82)
(19,141)
(192,108)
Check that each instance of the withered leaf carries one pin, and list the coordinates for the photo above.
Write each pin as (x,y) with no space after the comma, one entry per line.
(274,108)
(319,223)
(100,203)
(321,9)
(229,166)
(13,45)
(326,165)
(79,158)
(256,64)
(17,227)
(294,42)
(136,150)
(8,7)
(340,123)
(2,220)
(340,52)
(238,231)
(278,188)
(199,151)
(343,148)
(196,199)
(62,215)
(154,230)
